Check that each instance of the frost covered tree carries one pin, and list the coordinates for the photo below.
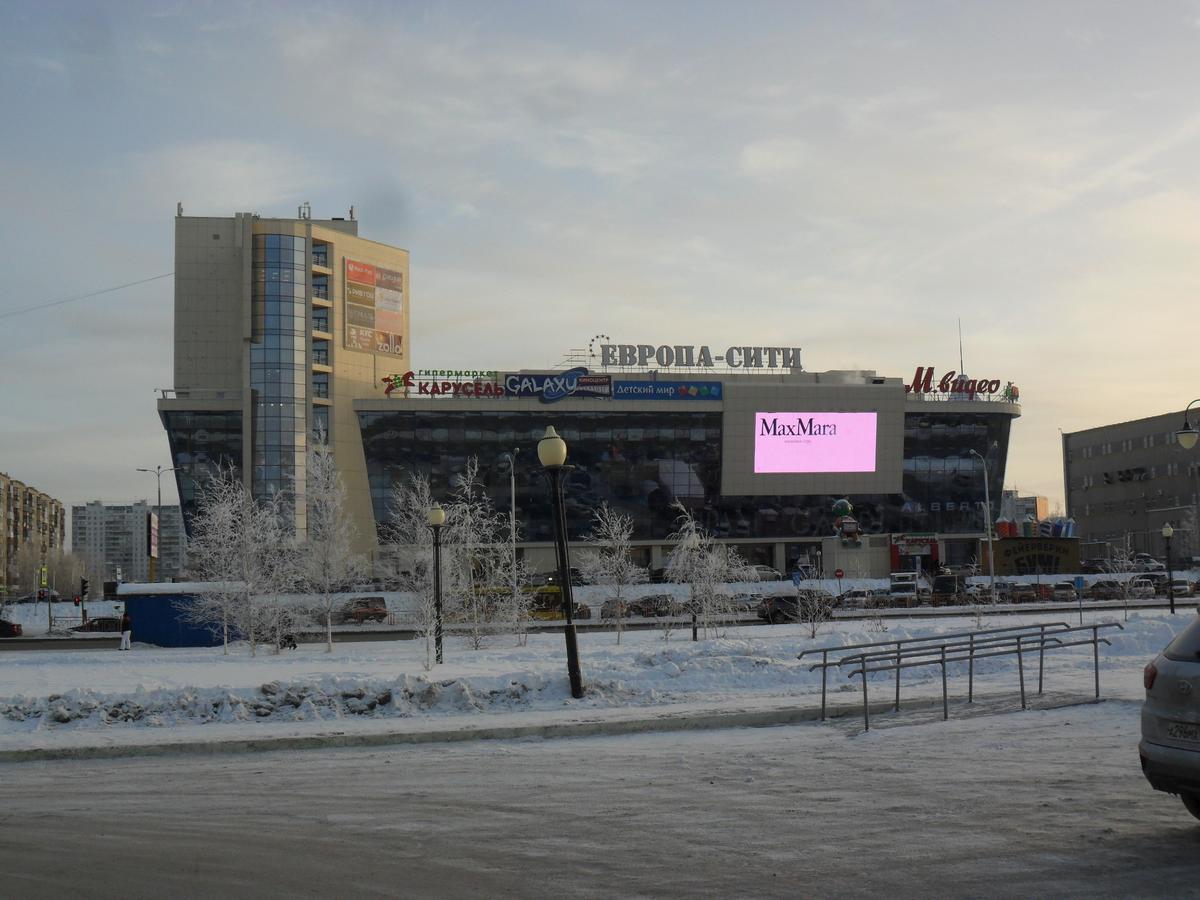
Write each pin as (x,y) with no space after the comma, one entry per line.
(610,564)
(814,609)
(241,548)
(473,550)
(698,561)
(410,546)
(328,563)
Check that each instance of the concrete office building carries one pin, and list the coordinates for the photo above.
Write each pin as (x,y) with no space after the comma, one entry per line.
(1123,482)
(284,325)
(115,541)
(31,519)
(280,325)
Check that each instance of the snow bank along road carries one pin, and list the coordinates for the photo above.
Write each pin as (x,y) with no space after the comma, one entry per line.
(1047,803)
(59,701)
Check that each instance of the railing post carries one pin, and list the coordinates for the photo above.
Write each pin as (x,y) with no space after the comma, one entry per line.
(898,676)
(824,675)
(971,673)
(866,703)
(945,698)
(1096,656)
(1041,658)
(1021,668)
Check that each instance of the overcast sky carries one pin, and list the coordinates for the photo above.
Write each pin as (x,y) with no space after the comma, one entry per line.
(849,178)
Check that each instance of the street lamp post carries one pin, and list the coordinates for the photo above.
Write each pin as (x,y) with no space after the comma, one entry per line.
(1167,532)
(1188,435)
(552,453)
(987,502)
(158,472)
(436,517)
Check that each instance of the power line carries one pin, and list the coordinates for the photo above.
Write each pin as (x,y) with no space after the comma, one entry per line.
(16,312)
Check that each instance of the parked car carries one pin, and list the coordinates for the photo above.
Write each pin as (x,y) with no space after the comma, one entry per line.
(1024,593)
(100,623)
(1106,590)
(1140,587)
(1170,745)
(652,606)
(614,609)
(1144,562)
(9,629)
(1092,567)
(1181,587)
(766,573)
(1065,591)
(786,608)
(858,598)
(364,609)
(745,603)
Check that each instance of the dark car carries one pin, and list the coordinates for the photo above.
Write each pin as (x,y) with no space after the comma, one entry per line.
(100,623)
(653,606)
(9,629)
(1106,590)
(1024,593)
(787,608)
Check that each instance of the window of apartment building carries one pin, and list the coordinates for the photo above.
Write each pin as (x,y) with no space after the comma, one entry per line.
(320,320)
(320,383)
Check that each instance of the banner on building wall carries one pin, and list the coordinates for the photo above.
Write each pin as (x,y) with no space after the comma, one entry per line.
(550,387)
(374,300)
(666,390)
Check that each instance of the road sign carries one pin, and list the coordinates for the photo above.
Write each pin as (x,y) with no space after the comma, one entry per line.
(838,573)
(43,579)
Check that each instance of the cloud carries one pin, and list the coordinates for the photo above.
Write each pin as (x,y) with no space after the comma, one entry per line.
(223,176)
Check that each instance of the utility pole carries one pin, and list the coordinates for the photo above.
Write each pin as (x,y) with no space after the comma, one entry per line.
(157,471)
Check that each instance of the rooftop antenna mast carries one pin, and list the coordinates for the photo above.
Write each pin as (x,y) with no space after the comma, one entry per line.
(961,367)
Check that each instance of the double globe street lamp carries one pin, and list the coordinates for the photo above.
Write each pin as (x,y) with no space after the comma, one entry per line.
(552,453)
(1189,434)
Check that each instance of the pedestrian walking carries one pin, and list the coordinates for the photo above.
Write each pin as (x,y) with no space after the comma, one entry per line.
(126,631)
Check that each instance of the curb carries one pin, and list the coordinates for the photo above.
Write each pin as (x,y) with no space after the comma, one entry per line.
(701,721)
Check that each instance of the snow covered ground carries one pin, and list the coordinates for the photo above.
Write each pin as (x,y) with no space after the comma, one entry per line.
(53,697)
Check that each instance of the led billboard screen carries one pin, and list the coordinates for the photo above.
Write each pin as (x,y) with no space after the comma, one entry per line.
(814,442)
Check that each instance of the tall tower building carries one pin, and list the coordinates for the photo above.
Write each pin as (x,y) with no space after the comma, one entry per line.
(280,324)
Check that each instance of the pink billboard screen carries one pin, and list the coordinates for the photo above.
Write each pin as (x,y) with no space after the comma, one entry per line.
(807,442)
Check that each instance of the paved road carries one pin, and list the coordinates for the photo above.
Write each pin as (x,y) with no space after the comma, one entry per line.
(1016,805)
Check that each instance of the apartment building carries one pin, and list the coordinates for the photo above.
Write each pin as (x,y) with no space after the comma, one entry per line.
(30,519)
(116,543)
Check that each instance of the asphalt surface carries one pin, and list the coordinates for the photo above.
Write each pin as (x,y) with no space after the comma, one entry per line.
(1010,805)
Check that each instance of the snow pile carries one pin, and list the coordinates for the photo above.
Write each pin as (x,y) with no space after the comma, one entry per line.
(153,687)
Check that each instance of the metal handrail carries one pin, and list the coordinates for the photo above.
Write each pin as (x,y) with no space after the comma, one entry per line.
(825,651)
(996,646)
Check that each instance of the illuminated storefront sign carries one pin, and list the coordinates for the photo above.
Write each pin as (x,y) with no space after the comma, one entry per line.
(686,356)
(462,385)
(548,388)
(666,390)
(374,309)
(953,383)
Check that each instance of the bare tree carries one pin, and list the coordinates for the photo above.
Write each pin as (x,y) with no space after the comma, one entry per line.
(698,561)
(610,564)
(473,553)
(329,564)
(411,551)
(241,548)
(814,609)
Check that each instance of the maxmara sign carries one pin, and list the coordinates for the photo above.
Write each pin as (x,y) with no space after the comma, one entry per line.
(686,356)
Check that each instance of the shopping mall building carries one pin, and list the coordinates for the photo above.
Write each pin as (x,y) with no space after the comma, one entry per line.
(284,326)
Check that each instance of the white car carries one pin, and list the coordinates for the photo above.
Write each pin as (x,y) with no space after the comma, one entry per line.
(1170,746)
(1141,587)
(1065,591)
(859,598)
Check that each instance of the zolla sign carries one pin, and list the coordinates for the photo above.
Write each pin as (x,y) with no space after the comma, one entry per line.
(687,356)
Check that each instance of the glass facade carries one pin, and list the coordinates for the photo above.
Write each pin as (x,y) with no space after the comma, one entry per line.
(641,462)
(201,443)
(279,369)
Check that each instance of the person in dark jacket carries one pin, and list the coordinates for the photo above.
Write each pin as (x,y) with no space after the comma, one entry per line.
(126,630)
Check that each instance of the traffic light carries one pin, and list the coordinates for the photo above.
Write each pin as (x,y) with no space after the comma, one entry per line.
(83,588)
